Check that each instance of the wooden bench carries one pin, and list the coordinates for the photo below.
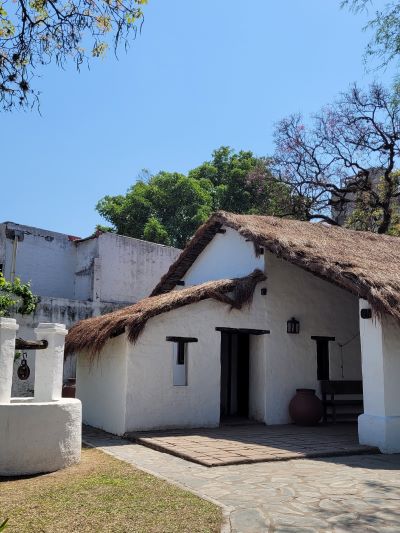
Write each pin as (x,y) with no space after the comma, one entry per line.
(331,389)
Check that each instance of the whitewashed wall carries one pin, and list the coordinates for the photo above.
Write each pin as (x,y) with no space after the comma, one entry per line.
(86,252)
(228,255)
(45,258)
(55,310)
(60,267)
(102,387)
(130,268)
(152,401)
(323,309)
(77,279)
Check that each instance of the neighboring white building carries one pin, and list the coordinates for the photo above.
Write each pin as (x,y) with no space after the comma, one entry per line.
(185,358)
(78,278)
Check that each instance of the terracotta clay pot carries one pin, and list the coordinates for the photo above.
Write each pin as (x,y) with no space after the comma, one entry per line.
(305,408)
(68,390)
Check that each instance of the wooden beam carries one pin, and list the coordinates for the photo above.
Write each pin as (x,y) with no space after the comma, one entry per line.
(21,344)
(244,330)
(181,339)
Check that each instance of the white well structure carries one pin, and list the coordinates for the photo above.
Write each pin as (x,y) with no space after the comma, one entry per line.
(42,433)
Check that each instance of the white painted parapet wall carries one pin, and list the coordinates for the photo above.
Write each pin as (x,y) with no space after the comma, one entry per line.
(40,434)
(380,347)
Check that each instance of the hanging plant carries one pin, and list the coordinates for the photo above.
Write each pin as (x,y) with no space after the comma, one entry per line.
(16,297)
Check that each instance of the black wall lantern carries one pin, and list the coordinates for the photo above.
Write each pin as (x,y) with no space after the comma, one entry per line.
(366,313)
(293,326)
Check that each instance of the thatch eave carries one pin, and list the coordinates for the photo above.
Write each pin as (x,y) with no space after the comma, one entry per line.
(91,335)
(365,266)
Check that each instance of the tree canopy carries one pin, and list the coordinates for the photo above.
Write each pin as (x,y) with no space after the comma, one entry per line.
(344,162)
(38,32)
(168,207)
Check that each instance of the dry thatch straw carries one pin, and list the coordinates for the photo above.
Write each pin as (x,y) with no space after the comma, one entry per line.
(366,264)
(91,335)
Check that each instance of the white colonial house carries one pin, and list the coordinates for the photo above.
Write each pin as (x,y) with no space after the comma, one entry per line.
(254,308)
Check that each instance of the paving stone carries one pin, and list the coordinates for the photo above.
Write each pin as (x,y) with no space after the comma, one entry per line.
(281,519)
(345,519)
(336,494)
(248,521)
(294,529)
(330,505)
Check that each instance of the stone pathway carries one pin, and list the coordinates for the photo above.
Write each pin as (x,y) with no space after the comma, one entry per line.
(252,443)
(340,494)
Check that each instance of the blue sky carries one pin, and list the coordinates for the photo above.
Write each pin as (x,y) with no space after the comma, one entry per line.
(202,74)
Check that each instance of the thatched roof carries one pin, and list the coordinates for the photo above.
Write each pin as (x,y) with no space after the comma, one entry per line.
(91,335)
(366,264)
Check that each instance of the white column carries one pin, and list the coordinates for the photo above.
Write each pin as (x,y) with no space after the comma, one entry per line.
(49,363)
(380,352)
(8,331)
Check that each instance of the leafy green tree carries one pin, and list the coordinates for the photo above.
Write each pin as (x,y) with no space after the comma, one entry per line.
(168,208)
(104,229)
(243,183)
(16,296)
(154,231)
(231,176)
(38,32)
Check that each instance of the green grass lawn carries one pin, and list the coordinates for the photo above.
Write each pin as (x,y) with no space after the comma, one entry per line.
(102,494)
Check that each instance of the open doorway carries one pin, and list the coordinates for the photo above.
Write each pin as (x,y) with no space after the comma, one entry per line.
(234,375)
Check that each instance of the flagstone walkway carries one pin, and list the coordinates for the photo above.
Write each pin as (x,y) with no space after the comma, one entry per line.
(340,494)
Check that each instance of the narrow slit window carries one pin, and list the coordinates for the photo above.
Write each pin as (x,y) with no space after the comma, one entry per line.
(180,359)
(180,348)
(180,364)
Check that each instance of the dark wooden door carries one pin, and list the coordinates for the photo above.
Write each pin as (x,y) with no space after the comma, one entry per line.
(243,375)
(235,374)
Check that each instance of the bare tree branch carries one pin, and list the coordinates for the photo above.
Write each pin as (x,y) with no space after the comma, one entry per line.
(37,32)
(334,161)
